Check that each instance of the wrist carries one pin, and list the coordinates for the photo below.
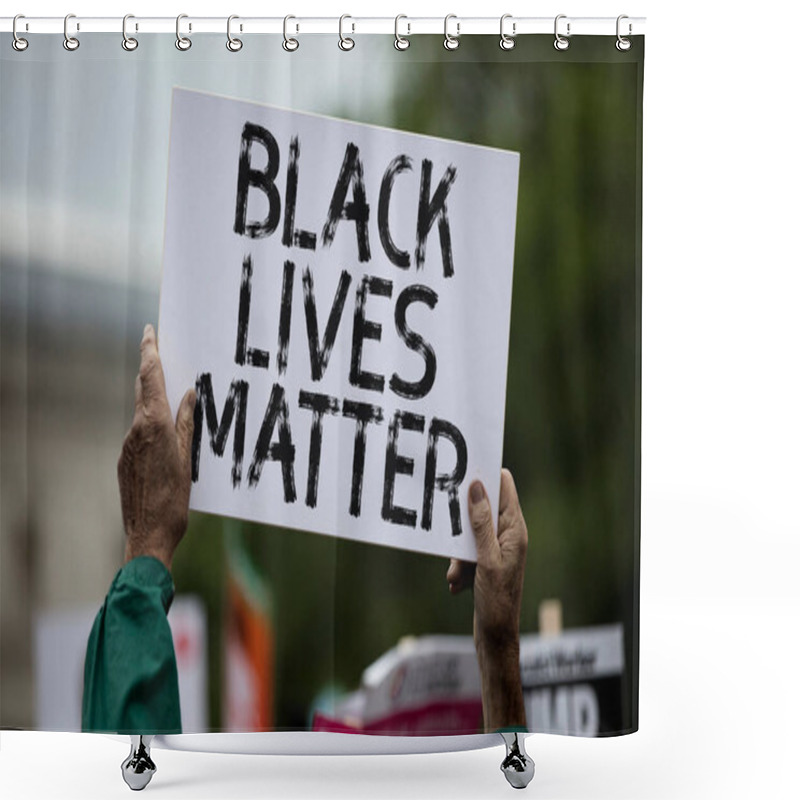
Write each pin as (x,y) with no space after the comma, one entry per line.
(134,549)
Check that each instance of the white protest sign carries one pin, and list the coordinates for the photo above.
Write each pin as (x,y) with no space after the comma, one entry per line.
(339,294)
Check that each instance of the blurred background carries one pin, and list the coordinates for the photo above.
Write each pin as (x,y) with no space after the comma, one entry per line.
(272,626)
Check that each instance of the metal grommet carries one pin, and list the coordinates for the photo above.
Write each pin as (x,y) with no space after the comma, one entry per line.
(345,42)
(451,42)
(289,44)
(182,42)
(233,44)
(128,42)
(507,42)
(561,42)
(400,42)
(623,44)
(70,42)
(18,43)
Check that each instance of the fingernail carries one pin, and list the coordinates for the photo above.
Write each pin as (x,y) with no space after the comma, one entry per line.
(192,398)
(476,492)
(144,332)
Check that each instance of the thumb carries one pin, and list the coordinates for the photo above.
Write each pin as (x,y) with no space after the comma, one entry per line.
(184,425)
(480,515)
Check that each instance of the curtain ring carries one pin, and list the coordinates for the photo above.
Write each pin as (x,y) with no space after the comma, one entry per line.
(233,44)
(400,42)
(345,42)
(289,44)
(181,42)
(451,42)
(507,42)
(18,43)
(561,42)
(623,43)
(128,42)
(70,42)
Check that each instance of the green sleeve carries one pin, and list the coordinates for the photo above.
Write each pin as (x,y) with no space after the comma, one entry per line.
(130,677)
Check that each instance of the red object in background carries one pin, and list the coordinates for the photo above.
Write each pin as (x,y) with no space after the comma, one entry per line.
(437,718)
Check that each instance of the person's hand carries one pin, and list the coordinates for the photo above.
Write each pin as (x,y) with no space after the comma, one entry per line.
(497,582)
(498,575)
(154,469)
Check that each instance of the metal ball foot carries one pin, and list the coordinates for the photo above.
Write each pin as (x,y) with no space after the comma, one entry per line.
(517,766)
(138,768)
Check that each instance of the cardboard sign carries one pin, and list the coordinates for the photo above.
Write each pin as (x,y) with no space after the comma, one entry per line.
(339,295)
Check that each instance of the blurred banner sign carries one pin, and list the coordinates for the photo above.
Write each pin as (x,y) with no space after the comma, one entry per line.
(339,295)
(187,619)
(572,684)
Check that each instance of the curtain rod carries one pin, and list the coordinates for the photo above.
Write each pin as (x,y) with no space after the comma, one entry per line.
(348,25)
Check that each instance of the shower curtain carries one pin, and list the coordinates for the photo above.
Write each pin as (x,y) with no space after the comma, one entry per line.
(261,622)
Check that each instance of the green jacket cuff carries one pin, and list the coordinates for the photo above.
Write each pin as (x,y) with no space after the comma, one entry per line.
(148,571)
